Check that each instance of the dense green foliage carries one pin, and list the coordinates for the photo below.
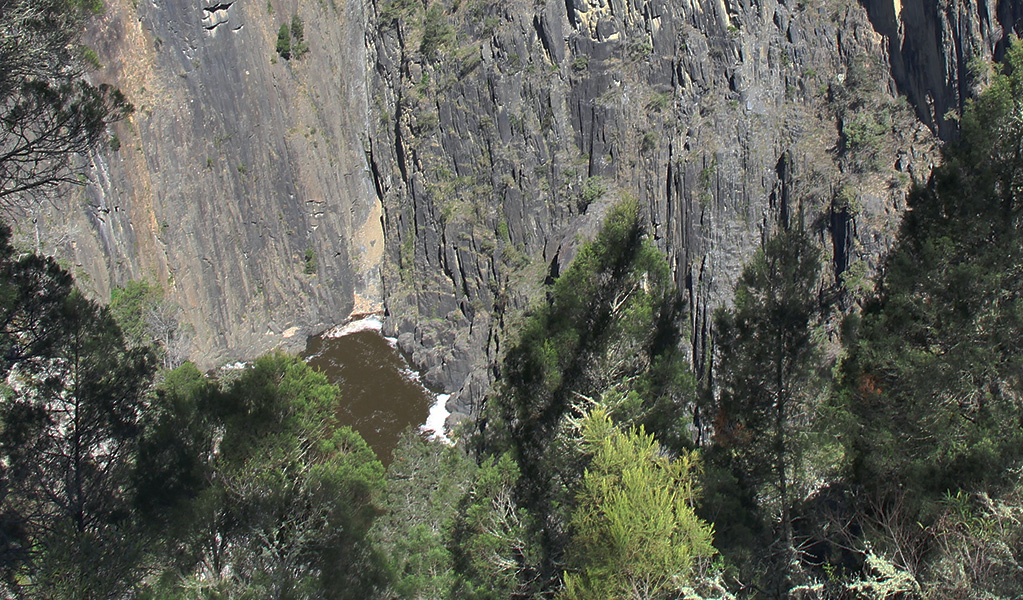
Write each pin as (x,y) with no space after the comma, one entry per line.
(424,482)
(147,318)
(610,332)
(436,32)
(247,488)
(270,497)
(903,481)
(452,527)
(934,376)
(768,383)
(197,488)
(767,358)
(298,45)
(283,47)
(553,488)
(609,335)
(69,410)
(291,39)
(634,528)
(940,351)
(130,305)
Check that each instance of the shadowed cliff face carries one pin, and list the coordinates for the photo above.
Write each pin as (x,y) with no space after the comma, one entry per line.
(444,163)
(236,167)
(931,44)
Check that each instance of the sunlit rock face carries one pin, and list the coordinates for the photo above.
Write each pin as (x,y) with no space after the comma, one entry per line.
(240,182)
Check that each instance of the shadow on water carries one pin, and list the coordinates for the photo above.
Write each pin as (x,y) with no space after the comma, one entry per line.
(378,397)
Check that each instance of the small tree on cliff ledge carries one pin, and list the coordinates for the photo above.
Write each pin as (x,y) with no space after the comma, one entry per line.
(298,46)
(284,42)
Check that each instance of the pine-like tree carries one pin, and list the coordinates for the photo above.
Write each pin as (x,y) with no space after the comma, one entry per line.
(634,531)
(766,375)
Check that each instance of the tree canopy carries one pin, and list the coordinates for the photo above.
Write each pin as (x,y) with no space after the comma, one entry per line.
(114,488)
(935,374)
(635,533)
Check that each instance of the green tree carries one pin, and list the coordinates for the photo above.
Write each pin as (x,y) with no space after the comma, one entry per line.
(72,394)
(298,45)
(766,374)
(130,305)
(426,481)
(32,294)
(933,377)
(610,330)
(284,42)
(287,496)
(634,531)
(179,436)
(609,333)
(496,548)
(146,318)
(297,28)
(70,431)
(436,32)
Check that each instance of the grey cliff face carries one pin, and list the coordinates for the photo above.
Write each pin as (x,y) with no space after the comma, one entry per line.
(724,118)
(443,165)
(932,47)
(236,166)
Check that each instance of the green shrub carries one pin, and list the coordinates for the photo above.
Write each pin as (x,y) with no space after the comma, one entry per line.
(593,188)
(634,526)
(436,32)
(284,41)
(94,7)
(90,57)
(846,199)
(310,261)
(659,101)
(649,142)
(392,12)
(298,45)
(639,50)
(865,134)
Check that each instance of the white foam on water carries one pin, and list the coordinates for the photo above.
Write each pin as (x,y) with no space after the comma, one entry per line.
(435,421)
(412,375)
(370,323)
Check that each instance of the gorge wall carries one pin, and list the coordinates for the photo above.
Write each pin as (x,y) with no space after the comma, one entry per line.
(239,183)
(443,163)
(724,118)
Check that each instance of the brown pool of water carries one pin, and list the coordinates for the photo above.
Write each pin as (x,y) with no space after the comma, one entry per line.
(379,399)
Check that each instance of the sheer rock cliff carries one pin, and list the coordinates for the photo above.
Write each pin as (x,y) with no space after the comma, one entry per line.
(724,118)
(239,183)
